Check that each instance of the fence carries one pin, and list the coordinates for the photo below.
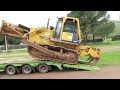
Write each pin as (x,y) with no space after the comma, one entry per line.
(2,47)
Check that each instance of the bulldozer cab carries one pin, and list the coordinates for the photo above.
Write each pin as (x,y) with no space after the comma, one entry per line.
(67,30)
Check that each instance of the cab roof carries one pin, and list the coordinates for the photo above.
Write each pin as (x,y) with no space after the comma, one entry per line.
(69,17)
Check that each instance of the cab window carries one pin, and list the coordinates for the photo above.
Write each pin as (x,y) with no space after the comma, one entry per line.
(70,26)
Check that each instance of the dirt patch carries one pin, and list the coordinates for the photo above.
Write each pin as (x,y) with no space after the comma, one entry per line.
(14,60)
(107,48)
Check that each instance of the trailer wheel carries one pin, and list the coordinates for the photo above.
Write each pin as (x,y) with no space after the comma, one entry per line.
(43,68)
(26,69)
(10,70)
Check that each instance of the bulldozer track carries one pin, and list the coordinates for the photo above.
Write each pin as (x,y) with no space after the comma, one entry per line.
(68,56)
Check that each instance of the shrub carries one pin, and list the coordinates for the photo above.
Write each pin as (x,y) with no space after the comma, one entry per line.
(116,37)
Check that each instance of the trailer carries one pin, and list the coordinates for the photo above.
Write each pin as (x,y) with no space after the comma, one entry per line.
(13,67)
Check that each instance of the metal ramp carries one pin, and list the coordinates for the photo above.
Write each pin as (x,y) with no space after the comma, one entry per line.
(83,65)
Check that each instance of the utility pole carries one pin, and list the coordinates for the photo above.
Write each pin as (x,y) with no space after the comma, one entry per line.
(6,46)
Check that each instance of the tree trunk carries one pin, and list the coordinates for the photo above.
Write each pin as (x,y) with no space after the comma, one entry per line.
(105,39)
(84,38)
(93,38)
(6,45)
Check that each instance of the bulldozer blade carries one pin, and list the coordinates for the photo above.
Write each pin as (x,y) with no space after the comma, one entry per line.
(11,30)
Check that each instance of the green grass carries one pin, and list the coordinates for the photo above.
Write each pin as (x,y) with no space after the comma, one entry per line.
(107,58)
(102,44)
(14,54)
(13,51)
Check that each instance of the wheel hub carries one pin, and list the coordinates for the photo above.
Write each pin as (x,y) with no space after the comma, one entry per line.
(43,68)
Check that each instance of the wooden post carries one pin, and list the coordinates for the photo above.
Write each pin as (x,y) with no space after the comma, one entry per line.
(6,45)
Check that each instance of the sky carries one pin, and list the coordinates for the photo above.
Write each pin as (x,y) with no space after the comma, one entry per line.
(114,15)
(32,18)
(39,18)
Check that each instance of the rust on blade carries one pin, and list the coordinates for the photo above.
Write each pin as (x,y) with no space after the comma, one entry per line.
(6,29)
(1,28)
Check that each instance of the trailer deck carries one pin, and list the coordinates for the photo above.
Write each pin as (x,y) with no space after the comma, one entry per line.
(34,63)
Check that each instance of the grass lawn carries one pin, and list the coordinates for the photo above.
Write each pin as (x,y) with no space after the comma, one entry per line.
(13,51)
(14,54)
(101,44)
(108,58)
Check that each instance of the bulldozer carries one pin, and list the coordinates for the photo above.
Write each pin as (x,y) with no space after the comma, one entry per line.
(60,44)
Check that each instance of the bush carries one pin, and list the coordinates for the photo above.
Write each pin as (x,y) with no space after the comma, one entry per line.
(116,37)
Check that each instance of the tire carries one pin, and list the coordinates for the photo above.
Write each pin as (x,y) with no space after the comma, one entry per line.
(43,68)
(10,70)
(26,69)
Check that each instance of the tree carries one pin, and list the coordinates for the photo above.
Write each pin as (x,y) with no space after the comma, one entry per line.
(89,20)
(105,29)
(98,18)
(2,39)
(10,40)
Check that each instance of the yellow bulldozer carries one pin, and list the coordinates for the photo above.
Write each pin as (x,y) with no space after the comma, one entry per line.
(60,44)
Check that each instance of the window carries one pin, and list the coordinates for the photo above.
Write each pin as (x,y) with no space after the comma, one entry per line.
(70,26)
(58,28)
